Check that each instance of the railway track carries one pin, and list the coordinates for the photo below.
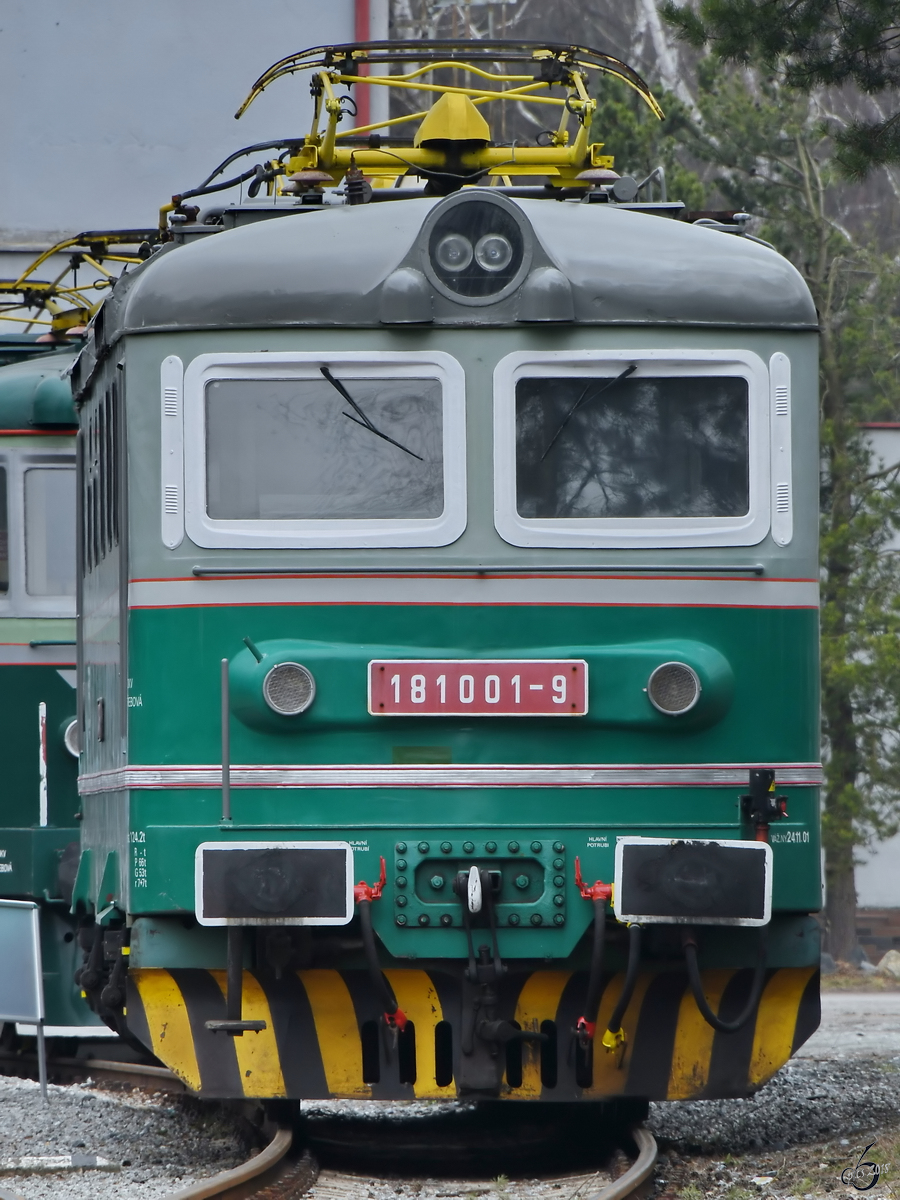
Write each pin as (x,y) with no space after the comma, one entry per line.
(72,1070)
(287,1168)
(279,1173)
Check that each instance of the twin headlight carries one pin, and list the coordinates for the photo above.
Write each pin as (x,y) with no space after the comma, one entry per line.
(454,252)
(477,249)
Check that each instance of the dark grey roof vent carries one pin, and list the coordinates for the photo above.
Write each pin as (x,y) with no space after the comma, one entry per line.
(546,295)
(405,298)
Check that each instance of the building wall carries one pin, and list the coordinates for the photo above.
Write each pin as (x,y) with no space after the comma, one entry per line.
(878,878)
(112,106)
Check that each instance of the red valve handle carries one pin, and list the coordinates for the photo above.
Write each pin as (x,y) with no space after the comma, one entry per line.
(396,1019)
(585,1029)
(364,891)
(594,891)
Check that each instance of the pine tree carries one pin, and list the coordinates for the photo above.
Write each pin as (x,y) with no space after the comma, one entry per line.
(816,43)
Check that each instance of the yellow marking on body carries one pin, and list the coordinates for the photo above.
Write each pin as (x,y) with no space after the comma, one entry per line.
(776,1021)
(337,1031)
(692,1052)
(257,1053)
(167,1020)
(538,1001)
(417,997)
(611,1066)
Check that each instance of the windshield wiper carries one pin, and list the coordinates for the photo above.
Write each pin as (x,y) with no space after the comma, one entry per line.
(365,422)
(583,399)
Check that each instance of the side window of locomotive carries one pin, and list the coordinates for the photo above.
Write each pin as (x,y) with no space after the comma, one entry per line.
(4,533)
(303,449)
(602,447)
(50,531)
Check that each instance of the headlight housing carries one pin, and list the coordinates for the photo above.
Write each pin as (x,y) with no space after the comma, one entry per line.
(476,248)
(673,688)
(71,739)
(289,689)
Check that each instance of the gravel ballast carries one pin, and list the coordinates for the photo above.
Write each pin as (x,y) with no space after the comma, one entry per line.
(154,1144)
(807,1101)
(791,1141)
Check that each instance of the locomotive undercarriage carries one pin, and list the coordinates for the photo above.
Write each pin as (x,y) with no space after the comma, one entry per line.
(304,1017)
(321,1032)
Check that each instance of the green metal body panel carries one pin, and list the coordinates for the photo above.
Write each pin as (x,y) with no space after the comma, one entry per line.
(166,942)
(337,642)
(35,393)
(23,689)
(763,707)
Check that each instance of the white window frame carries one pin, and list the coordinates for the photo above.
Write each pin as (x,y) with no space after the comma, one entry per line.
(18,601)
(631,532)
(210,533)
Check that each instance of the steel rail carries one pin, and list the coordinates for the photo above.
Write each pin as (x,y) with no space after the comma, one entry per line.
(352,1183)
(121,1068)
(640,1170)
(95,1066)
(223,1183)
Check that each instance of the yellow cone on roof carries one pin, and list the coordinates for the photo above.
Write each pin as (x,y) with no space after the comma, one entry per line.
(453,118)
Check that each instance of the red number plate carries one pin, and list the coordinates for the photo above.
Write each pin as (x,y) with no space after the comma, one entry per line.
(485,687)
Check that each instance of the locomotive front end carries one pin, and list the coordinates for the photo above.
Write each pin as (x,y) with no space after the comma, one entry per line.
(449,648)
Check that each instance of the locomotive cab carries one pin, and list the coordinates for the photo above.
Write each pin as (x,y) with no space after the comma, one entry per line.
(449,625)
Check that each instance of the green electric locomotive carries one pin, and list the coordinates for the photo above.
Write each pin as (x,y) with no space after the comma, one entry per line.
(448,615)
(38,798)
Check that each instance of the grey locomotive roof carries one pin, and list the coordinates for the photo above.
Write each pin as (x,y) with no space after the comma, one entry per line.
(328,267)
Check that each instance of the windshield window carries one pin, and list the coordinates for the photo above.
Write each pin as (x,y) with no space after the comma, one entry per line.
(603,447)
(279,449)
(50,531)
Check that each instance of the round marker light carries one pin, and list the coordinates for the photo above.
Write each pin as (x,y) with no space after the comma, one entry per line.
(493,252)
(289,689)
(70,738)
(454,252)
(673,688)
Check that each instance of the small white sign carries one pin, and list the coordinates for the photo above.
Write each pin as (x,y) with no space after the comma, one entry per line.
(21,982)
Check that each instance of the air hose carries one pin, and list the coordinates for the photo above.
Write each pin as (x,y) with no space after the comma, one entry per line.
(586,1025)
(393,1014)
(614,1037)
(689,944)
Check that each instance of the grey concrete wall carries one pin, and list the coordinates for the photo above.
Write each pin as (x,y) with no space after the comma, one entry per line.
(878,878)
(111,106)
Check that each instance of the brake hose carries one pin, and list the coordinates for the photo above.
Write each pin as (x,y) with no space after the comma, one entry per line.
(689,944)
(614,1036)
(586,1025)
(393,1014)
